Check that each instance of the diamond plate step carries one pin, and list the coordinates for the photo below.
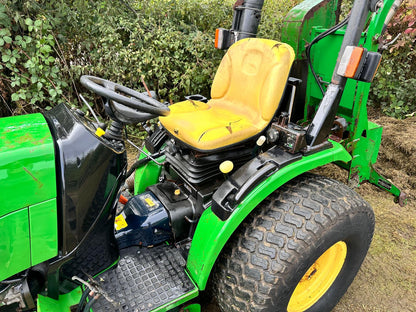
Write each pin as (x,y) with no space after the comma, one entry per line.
(145,279)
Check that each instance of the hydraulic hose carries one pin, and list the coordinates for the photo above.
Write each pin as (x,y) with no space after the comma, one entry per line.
(90,304)
(82,300)
(315,40)
(323,120)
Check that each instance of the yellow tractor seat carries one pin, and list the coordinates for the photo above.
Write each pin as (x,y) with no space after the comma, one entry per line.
(245,95)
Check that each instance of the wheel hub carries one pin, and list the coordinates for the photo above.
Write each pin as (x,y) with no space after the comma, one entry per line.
(318,278)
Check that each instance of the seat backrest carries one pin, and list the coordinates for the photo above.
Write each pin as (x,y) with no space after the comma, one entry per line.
(252,77)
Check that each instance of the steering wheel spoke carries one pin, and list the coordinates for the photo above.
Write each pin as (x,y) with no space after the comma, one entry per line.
(127,105)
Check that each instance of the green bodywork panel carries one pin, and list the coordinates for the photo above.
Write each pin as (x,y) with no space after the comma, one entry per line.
(300,20)
(43,231)
(192,308)
(14,243)
(27,162)
(147,175)
(28,217)
(63,304)
(211,233)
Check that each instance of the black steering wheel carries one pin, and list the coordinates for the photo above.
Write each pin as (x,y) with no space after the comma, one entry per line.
(125,105)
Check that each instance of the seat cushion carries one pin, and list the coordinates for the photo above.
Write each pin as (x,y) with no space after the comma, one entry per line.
(205,127)
(246,93)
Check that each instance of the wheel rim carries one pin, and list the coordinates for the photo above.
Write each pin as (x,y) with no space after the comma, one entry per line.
(318,278)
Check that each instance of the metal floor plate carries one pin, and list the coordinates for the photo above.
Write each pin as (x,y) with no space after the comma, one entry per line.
(144,280)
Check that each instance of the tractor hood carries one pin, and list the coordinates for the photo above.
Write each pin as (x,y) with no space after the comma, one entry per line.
(27,193)
(27,162)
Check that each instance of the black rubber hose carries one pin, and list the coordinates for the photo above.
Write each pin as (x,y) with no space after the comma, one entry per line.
(82,300)
(136,165)
(141,162)
(89,304)
(315,40)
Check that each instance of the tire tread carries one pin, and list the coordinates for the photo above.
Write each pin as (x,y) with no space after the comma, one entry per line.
(286,223)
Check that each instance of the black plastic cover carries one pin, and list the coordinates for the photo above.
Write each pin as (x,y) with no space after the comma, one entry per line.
(234,190)
(197,168)
(90,172)
(155,141)
(147,222)
(370,66)
(180,206)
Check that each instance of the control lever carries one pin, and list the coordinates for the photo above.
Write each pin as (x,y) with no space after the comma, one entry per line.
(100,130)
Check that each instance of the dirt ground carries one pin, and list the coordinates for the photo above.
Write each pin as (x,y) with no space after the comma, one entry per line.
(387,279)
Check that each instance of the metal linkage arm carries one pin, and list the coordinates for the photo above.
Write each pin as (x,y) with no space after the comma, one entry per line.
(321,124)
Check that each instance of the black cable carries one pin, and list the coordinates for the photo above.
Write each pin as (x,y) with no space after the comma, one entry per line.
(315,40)
(136,165)
(89,304)
(82,300)
(8,282)
(142,161)
(16,280)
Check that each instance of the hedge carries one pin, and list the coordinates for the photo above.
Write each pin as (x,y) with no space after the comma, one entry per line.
(47,45)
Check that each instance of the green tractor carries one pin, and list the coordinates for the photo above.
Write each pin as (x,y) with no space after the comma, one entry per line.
(221,199)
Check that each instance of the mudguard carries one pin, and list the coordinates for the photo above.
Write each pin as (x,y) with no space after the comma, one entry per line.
(235,189)
(212,233)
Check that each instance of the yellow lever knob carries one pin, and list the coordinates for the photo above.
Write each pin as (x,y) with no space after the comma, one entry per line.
(226,166)
(99,132)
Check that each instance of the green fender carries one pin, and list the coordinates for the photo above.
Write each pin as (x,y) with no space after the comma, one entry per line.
(212,234)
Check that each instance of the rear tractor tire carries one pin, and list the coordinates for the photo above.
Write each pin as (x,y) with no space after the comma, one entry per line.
(299,250)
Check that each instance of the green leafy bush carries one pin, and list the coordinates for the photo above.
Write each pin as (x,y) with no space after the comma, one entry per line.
(30,74)
(273,14)
(47,45)
(167,42)
(393,89)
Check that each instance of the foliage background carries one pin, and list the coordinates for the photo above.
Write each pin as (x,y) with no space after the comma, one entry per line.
(47,45)
(394,87)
